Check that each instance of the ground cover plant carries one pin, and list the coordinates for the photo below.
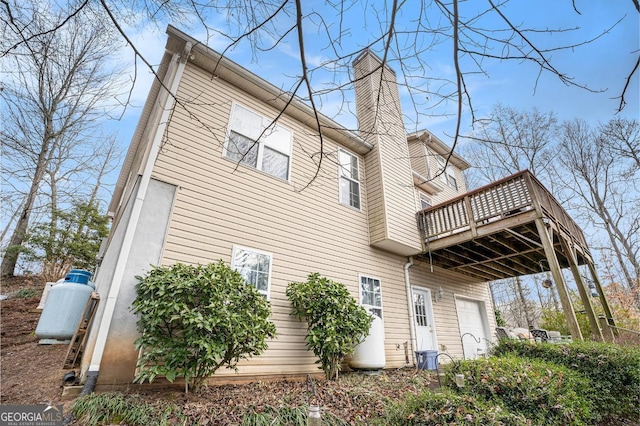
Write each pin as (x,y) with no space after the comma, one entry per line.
(448,408)
(542,392)
(505,390)
(396,397)
(613,371)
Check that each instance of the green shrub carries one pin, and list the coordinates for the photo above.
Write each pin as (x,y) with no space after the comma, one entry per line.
(196,319)
(336,323)
(613,371)
(73,241)
(542,392)
(448,408)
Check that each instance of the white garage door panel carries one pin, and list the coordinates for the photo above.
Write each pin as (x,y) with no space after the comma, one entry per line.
(471,318)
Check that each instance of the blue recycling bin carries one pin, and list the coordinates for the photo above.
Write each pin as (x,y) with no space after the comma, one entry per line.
(427,360)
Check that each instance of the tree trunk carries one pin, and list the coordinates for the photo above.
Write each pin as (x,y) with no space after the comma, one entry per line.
(523,301)
(7,269)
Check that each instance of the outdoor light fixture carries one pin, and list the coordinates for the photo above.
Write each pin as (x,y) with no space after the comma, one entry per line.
(460,380)
(439,295)
(546,283)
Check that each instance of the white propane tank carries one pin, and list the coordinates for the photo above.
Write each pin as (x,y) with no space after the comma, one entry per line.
(369,354)
(62,312)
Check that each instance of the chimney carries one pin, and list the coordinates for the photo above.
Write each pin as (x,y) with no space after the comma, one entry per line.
(390,194)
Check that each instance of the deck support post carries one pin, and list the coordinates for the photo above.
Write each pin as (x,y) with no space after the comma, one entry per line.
(569,251)
(565,300)
(607,330)
(603,297)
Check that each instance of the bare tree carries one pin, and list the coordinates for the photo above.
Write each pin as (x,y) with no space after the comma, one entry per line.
(513,299)
(477,35)
(597,183)
(621,137)
(512,140)
(58,84)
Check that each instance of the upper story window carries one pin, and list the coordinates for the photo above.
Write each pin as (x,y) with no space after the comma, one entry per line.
(425,201)
(257,142)
(448,175)
(349,174)
(254,266)
(371,294)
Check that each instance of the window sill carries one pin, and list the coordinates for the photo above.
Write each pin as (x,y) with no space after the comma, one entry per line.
(246,167)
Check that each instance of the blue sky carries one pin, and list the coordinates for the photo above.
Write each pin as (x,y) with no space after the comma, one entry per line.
(601,65)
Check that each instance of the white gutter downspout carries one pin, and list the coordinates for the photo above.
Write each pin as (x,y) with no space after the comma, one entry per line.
(407,281)
(172,79)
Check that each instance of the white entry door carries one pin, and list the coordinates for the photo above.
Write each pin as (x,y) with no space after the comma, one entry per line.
(472,319)
(423,318)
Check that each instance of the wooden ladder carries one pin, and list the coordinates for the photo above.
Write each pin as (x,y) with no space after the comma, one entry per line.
(77,343)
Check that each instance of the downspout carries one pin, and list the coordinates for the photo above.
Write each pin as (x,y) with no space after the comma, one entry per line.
(166,101)
(407,281)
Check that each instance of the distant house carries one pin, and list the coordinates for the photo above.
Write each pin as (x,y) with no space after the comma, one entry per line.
(196,187)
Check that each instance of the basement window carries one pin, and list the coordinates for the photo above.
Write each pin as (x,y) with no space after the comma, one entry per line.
(255,266)
(371,294)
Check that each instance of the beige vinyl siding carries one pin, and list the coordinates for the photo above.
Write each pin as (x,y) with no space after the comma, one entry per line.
(418,157)
(221,204)
(447,192)
(380,122)
(375,200)
(446,319)
(373,165)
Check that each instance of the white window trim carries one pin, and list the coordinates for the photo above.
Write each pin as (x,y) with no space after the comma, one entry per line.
(235,249)
(424,197)
(340,176)
(260,144)
(446,171)
(427,155)
(381,307)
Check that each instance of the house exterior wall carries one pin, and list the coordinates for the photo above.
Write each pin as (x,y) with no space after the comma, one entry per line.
(447,192)
(104,277)
(424,160)
(418,158)
(120,356)
(220,204)
(445,315)
(391,212)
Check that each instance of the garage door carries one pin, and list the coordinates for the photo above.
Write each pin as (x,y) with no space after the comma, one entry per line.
(473,327)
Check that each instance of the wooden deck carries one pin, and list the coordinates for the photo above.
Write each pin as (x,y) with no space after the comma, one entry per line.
(491,233)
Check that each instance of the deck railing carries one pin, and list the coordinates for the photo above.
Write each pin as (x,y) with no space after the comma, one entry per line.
(507,197)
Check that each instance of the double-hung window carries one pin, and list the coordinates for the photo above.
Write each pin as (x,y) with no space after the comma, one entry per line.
(371,295)
(258,142)
(349,175)
(447,174)
(254,266)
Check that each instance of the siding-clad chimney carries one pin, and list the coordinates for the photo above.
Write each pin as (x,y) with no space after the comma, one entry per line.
(390,194)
